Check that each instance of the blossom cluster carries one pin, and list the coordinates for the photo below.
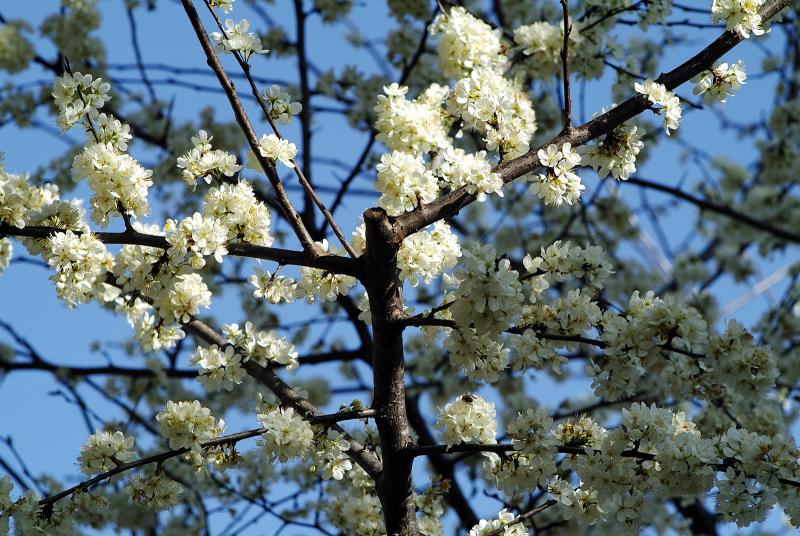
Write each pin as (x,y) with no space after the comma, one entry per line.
(497,107)
(263,347)
(317,283)
(503,522)
(559,183)
(740,16)
(654,451)
(287,435)
(468,419)
(79,95)
(6,252)
(203,161)
(80,262)
(225,5)
(422,256)
(105,450)
(219,369)
(235,38)
(615,154)
(16,51)
(720,82)
(413,127)
(467,43)
(119,182)
(280,104)
(108,129)
(658,94)
(272,287)
(18,197)
(188,424)
(473,172)
(542,43)
(154,491)
(276,149)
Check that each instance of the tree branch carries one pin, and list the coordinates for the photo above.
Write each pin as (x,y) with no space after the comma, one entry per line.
(324,261)
(244,123)
(450,204)
(724,210)
(565,66)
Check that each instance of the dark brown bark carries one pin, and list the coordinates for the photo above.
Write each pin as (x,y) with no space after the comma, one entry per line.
(393,484)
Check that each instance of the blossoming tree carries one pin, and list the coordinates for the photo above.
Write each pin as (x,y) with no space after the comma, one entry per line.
(485,269)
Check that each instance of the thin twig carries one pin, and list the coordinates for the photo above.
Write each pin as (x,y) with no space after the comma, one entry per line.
(565,65)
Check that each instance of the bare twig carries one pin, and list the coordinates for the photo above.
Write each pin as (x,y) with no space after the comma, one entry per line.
(565,66)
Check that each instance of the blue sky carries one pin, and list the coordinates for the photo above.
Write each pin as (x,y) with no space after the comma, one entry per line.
(46,431)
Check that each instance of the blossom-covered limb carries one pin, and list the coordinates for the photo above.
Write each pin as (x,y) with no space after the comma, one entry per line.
(304,182)
(451,203)
(332,263)
(228,440)
(244,123)
(523,517)
(287,395)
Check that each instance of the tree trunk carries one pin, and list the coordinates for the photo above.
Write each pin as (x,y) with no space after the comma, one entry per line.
(393,485)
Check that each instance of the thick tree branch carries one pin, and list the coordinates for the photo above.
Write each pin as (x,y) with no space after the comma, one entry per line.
(324,261)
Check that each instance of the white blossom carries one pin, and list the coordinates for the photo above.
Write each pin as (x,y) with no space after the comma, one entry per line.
(559,183)
(504,518)
(272,287)
(281,106)
(427,254)
(658,94)
(203,161)
(235,37)
(277,149)
(79,261)
(184,300)
(720,82)
(330,458)
(236,207)
(740,16)
(118,181)
(187,424)
(404,183)
(468,419)
(6,252)
(78,95)
(196,237)
(287,435)
(467,43)
(16,51)
(105,450)
(225,5)
(154,491)
(471,171)
(219,369)
(615,154)
(264,347)
(413,127)
(497,107)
